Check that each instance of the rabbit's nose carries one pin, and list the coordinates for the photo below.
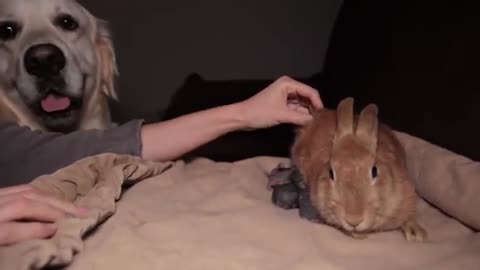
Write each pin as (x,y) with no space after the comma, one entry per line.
(354,220)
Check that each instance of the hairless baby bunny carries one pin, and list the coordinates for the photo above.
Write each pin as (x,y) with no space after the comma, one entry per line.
(290,192)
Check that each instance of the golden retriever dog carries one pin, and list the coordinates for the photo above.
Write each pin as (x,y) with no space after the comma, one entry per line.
(57,66)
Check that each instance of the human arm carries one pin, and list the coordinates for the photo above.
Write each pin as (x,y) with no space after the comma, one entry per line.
(272,106)
(27,154)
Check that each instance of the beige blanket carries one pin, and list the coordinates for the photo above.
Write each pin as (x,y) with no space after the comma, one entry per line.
(207,215)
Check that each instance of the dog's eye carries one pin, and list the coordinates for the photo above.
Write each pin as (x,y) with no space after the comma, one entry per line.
(374,172)
(8,30)
(66,22)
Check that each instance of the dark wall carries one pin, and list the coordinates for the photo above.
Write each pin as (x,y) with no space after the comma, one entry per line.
(418,60)
(159,43)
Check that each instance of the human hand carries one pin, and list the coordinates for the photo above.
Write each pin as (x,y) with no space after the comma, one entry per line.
(27,214)
(279,103)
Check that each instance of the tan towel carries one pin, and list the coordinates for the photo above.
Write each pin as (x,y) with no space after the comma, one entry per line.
(449,181)
(214,215)
(211,215)
(95,183)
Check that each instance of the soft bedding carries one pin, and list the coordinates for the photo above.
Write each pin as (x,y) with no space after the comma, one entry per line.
(216,215)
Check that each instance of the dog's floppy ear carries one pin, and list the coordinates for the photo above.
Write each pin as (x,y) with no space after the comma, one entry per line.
(108,64)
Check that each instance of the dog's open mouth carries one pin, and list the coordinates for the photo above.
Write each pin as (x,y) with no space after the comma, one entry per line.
(58,111)
(55,103)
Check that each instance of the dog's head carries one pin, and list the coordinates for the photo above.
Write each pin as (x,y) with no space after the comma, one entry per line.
(53,55)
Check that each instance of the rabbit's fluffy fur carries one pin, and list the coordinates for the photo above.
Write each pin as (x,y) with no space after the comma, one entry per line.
(356,173)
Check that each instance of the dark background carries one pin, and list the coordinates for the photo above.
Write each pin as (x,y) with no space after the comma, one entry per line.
(159,43)
(418,60)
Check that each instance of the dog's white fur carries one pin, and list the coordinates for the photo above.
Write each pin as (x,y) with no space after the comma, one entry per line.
(88,50)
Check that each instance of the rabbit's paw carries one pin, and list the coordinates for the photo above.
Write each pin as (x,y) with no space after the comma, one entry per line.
(414,231)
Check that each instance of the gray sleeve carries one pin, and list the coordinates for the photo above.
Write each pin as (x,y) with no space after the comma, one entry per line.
(27,154)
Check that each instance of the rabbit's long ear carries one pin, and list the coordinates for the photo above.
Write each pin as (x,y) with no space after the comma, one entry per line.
(367,127)
(344,118)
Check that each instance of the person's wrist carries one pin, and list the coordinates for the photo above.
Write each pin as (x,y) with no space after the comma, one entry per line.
(238,114)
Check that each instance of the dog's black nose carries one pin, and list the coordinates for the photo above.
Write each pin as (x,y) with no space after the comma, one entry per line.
(44,60)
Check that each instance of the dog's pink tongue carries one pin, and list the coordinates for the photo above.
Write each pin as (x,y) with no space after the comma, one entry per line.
(52,103)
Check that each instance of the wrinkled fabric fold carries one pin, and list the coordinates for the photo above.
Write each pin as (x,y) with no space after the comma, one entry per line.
(95,183)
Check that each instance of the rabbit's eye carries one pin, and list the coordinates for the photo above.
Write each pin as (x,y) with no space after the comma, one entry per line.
(374,172)
(332,175)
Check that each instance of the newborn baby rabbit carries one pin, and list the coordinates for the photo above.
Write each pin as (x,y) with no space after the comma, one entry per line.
(356,174)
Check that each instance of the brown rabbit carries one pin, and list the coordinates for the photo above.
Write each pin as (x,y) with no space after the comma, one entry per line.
(356,174)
